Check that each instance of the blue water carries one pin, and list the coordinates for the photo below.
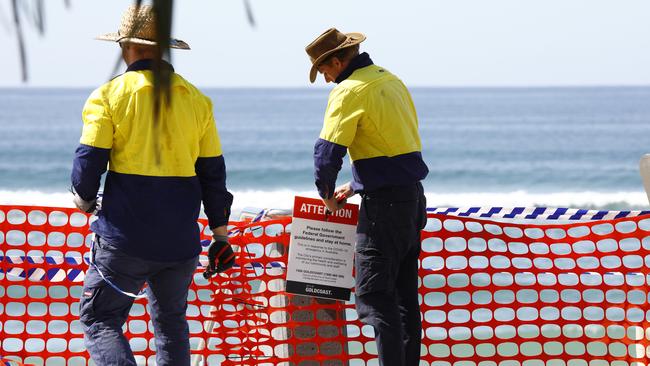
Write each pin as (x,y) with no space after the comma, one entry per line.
(543,141)
(543,145)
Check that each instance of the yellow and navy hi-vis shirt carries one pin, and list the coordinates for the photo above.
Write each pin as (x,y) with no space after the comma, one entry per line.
(159,171)
(370,113)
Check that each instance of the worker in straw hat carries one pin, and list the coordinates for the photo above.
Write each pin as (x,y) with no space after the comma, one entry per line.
(370,114)
(146,231)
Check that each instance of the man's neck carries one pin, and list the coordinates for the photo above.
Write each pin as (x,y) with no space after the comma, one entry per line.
(134,60)
(147,64)
(358,62)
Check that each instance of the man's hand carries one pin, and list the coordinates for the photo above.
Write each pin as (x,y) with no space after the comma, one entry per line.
(339,199)
(333,205)
(343,192)
(220,255)
(85,206)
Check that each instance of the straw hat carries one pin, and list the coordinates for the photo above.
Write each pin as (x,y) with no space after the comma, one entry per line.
(139,26)
(327,43)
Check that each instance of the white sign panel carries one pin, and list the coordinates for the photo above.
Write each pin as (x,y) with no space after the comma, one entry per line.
(321,251)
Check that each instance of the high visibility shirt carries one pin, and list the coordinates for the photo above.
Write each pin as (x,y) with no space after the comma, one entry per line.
(370,114)
(159,170)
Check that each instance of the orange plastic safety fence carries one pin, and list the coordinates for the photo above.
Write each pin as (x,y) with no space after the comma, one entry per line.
(491,293)
(508,294)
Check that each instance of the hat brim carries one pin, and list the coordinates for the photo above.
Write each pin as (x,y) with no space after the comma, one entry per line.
(353,39)
(114,37)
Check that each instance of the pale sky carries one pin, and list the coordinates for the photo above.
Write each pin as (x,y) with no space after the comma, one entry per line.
(425,42)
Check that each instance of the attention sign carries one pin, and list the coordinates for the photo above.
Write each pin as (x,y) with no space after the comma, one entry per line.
(321,251)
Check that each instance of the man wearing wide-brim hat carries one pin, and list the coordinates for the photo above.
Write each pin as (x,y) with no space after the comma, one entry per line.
(161,166)
(371,115)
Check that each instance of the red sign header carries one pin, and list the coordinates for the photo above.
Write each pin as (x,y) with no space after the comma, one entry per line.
(314,209)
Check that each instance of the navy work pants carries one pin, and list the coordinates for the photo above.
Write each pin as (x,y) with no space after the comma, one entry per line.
(386,265)
(103,310)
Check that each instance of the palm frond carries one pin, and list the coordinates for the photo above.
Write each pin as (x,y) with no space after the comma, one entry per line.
(21,42)
(39,17)
(34,13)
(162,83)
(249,13)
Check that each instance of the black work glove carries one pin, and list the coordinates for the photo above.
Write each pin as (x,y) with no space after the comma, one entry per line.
(220,256)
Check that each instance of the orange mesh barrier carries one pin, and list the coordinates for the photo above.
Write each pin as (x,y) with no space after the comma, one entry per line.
(492,293)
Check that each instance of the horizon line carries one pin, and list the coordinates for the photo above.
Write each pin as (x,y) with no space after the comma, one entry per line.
(327,86)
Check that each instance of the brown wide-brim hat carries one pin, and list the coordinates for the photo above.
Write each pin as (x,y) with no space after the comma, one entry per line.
(139,26)
(326,44)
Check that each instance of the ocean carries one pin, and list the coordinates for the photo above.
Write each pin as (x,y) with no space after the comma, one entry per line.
(554,147)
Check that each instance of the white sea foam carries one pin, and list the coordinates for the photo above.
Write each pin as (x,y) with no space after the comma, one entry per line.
(283,199)
(606,200)
(36,198)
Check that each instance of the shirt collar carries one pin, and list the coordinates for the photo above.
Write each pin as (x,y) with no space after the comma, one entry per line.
(360,61)
(147,64)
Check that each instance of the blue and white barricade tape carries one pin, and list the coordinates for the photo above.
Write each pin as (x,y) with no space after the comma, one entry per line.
(54,274)
(76,275)
(9,362)
(534,213)
(140,295)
